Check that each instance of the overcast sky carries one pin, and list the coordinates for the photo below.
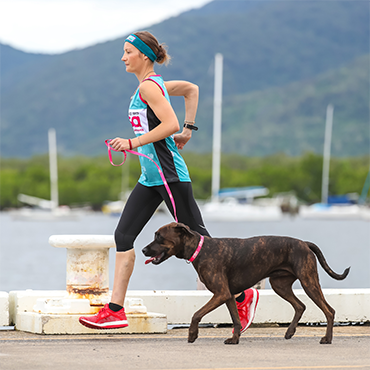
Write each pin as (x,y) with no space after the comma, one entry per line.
(56,26)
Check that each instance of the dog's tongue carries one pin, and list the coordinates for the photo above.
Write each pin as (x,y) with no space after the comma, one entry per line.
(149,260)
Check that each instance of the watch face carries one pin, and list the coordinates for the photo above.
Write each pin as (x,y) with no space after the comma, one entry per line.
(191,127)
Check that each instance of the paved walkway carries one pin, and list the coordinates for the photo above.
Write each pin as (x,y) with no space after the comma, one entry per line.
(259,348)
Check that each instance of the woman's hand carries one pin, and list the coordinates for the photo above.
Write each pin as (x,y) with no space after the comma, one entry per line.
(119,144)
(183,138)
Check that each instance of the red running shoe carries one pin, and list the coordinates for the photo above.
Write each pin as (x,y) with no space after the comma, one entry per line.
(247,308)
(105,319)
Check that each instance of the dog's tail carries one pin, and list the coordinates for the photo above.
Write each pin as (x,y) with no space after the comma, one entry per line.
(315,249)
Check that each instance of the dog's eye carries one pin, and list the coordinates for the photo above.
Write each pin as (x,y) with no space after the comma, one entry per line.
(158,238)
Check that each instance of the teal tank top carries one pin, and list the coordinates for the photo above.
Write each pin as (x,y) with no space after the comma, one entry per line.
(163,152)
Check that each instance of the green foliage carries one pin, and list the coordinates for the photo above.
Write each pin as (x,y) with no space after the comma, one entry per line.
(9,187)
(92,181)
(81,180)
(280,173)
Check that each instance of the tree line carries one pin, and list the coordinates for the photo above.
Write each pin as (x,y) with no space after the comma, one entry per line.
(93,181)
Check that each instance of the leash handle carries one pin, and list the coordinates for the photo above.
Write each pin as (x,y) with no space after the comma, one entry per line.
(142,155)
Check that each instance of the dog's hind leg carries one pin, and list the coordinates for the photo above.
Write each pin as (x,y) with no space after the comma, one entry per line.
(312,288)
(282,285)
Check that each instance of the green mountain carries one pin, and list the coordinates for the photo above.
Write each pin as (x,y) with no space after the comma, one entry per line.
(284,61)
(12,59)
(291,119)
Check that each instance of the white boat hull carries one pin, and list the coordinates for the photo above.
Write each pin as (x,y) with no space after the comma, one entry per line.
(324,211)
(59,214)
(214,211)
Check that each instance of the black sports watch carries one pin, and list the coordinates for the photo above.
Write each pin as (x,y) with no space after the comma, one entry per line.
(191,127)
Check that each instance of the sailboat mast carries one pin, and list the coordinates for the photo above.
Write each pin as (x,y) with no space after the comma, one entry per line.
(327,149)
(53,168)
(217,119)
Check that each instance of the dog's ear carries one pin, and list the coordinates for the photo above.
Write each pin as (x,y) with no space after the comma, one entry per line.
(184,229)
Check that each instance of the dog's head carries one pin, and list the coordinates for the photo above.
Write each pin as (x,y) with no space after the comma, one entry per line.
(170,240)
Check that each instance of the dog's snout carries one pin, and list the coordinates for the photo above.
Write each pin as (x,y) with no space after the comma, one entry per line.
(148,250)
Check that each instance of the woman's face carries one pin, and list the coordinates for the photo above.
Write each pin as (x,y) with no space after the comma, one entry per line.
(132,58)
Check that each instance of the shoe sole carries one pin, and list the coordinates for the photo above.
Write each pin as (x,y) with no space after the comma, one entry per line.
(252,308)
(107,325)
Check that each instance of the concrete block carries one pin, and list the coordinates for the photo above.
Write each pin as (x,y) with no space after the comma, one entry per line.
(4,309)
(24,301)
(39,301)
(351,305)
(180,306)
(23,305)
(69,324)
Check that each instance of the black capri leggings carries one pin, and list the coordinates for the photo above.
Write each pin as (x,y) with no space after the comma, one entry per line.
(143,202)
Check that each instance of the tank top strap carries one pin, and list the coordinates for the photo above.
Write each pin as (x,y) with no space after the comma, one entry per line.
(156,82)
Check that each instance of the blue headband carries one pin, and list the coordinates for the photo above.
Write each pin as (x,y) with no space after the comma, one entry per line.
(142,46)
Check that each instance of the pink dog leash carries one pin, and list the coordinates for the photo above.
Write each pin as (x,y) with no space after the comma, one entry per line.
(142,155)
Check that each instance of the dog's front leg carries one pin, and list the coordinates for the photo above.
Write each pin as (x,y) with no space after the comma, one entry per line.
(231,305)
(213,303)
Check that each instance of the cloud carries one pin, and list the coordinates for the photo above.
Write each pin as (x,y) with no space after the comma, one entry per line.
(55,26)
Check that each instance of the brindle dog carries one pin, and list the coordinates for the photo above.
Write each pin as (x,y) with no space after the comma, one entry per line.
(228,266)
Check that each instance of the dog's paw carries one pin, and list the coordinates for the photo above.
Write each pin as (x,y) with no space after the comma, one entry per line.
(325,340)
(193,331)
(232,340)
(192,337)
(289,333)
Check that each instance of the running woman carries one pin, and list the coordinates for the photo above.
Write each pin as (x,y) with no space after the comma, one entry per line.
(155,123)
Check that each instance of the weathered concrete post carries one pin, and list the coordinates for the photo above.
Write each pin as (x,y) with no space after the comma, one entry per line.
(87,291)
(87,265)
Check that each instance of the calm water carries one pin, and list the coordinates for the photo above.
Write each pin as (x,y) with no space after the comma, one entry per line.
(27,261)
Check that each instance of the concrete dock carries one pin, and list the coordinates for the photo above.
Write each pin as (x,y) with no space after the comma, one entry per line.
(259,348)
(49,336)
